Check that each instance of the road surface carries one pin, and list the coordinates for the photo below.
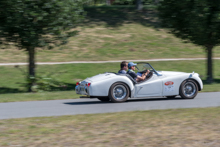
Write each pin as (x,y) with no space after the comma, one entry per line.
(89,106)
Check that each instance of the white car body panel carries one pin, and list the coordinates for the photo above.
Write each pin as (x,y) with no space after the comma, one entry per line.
(101,83)
(162,83)
(152,87)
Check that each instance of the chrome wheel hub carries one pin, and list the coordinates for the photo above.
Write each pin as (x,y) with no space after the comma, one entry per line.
(189,89)
(119,92)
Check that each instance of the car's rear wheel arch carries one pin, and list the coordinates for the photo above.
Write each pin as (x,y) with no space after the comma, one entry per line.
(129,88)
(121,94)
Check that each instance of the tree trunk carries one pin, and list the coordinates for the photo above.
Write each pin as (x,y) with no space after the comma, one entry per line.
(108,2)
(139,5)
(156,2)
(31,67)
(209,64)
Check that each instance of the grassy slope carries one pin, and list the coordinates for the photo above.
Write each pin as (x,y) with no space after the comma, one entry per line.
(178,127)
(111,33)
(71,73)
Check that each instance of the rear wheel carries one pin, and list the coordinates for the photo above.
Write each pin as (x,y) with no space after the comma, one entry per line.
(188,89)
(119,92)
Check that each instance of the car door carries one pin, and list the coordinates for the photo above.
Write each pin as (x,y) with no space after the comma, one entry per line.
(151,87)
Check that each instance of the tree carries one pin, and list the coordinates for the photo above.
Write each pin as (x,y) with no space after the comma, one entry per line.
(139,5)
(156,2)
(197,21)
(38,23)
(108,2)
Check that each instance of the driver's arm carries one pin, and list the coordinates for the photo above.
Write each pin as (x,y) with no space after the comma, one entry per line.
(146,73)
(141,78)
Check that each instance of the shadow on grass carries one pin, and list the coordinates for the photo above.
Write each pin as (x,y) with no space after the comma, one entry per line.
(5,90)
(115,16)
(215,81)
(64,87)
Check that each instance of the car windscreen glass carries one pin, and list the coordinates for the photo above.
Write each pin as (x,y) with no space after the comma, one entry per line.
(143,66)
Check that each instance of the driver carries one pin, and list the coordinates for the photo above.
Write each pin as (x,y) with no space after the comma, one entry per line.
(138,78)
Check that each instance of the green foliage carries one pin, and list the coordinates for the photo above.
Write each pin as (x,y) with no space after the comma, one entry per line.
(38,23)
(124,2)
(118,2)
(132,2)
(197,21)
(46,81)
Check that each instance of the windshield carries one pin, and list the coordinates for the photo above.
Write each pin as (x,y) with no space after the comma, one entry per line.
(144,66)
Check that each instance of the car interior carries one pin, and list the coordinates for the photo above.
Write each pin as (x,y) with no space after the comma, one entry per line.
(133,80)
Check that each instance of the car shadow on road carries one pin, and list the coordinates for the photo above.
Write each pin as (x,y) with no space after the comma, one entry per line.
(155,99)
(91,102)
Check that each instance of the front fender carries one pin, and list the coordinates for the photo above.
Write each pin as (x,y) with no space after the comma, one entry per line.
(195,76)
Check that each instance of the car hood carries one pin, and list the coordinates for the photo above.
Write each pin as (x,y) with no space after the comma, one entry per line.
(99,77)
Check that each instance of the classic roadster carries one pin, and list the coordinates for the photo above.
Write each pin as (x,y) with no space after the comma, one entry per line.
(118,87)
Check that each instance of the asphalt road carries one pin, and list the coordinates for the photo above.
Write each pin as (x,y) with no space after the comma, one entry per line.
(89,106)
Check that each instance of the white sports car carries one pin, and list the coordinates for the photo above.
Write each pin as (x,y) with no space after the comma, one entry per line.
(118,87)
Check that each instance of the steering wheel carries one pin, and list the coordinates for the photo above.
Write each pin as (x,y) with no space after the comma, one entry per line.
(149,75)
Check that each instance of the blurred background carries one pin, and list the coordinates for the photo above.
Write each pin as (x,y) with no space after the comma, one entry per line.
(49,31)
(103,30)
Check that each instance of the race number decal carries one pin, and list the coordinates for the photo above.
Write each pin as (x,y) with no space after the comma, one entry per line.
(168,86)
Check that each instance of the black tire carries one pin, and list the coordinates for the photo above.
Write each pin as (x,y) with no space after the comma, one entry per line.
(188,89)
(119,92)
(171,97)
(103,99)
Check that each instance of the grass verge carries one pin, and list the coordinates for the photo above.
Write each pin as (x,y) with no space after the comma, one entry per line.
(177,127)
(69,74)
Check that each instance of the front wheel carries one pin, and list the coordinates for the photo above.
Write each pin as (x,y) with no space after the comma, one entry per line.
(119,92)
(188,89)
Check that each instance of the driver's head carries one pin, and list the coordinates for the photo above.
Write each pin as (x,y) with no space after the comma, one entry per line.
(131,65)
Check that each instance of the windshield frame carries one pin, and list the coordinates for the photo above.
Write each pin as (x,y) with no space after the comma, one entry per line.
(150,66)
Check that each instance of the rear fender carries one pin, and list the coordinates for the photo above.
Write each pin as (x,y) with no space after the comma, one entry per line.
(101,88)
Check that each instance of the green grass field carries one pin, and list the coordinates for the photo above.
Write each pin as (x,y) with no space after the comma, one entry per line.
(11,87)
(174,128)
(114,33)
